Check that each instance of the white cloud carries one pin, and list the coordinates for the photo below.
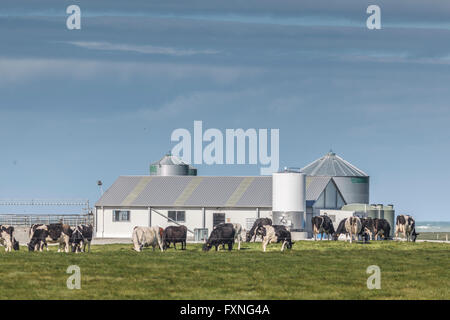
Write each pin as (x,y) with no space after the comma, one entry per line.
(144,49)
(15,71)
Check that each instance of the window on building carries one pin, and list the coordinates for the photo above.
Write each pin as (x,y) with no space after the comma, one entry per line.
(218,218)
(120,215)
(177,216)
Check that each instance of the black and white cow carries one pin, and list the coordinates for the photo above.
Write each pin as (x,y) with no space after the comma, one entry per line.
(81,236)
(353,227)
(382,228)
(275,234)
(223,234)
(41,235)
(322,224)
(350,227)
(253,233)
(367,229)
(405,224)
(7,238)
(340,229)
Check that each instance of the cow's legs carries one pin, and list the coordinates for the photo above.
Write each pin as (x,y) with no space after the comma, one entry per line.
(265,242)
(282,246)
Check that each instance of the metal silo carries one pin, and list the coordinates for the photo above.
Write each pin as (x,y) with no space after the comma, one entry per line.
(389,215)
(171,166)
(289,199)
(353,183)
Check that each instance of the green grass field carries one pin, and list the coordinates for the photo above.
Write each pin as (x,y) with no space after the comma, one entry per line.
(311,270)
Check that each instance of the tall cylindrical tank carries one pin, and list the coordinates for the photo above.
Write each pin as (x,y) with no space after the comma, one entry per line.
(389,215)
(289,199)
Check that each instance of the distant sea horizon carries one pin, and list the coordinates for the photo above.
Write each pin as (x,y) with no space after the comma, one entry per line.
(433,226)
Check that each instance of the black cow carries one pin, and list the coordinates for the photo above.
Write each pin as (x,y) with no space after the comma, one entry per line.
(381,228)
(253,233)
(221,235)
(322,224)
(7,238)
(81,236)
(174,234)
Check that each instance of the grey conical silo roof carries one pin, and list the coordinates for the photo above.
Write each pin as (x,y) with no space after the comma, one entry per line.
(331,165)
(171,160)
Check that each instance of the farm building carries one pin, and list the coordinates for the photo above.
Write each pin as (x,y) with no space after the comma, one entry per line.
(172,195)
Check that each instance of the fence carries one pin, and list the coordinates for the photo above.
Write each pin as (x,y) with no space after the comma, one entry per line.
(28,220)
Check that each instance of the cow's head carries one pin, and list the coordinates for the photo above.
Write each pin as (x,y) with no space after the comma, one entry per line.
(261,231)
(335,236)
(16,245)
(32,244)
(207,246)
(414,235)
(248,236)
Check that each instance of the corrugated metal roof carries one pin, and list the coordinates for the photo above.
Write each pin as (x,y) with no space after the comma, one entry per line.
(332,165)
(191,191)
(315,187)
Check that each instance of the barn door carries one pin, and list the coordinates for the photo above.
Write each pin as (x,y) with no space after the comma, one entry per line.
(218,218)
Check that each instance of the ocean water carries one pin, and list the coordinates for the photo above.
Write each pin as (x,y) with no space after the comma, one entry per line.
(433,226)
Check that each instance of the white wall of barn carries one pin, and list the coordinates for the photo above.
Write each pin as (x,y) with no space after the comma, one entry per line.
(107,228)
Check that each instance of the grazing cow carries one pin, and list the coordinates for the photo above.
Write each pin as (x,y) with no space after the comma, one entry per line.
(7,238)
(237,235)
(367,228)
(405,224)
(381,228)
(175,234)
(353,227)
(223,234)
(275,234)
(51,233)
(147,236)
(82,236)
(340,230)
(253,233)
(322,224)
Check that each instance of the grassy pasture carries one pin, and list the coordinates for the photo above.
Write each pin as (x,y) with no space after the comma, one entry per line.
(311,270)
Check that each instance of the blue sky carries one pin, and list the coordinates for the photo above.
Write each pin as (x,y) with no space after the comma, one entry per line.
(82,105)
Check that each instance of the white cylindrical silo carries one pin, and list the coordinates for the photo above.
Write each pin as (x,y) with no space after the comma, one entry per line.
(289,199)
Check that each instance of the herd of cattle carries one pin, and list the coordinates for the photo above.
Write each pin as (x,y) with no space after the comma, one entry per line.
(69,239)
(225,234)
(365,228)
